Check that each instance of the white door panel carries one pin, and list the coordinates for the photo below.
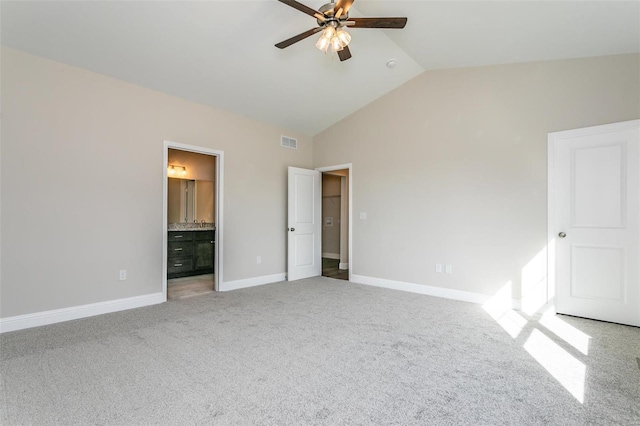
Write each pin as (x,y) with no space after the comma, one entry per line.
(594,266)
(599,193)
(596,187)
(304,227)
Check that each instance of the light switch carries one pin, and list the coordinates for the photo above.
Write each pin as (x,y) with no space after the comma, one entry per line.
(363,215)
(448,269)
(438,267)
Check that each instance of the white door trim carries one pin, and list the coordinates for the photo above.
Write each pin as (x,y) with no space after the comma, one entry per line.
(218,214)
(552,143)
(348,166)
(344,223)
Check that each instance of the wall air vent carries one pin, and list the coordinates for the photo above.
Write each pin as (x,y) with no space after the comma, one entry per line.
(288,142)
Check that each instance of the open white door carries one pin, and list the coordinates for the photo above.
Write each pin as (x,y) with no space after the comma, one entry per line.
(304,224)
(595,221)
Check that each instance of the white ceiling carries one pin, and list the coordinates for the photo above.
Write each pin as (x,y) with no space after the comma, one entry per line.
(221,53)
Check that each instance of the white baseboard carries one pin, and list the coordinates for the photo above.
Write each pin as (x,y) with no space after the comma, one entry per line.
(331,256)
(343,265)
(252,282)
(446,293)
(37,319)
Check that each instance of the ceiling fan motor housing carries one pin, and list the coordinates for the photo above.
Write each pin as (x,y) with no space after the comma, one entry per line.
(328,10)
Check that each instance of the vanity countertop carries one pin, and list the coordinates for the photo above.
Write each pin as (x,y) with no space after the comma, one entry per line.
(192,227)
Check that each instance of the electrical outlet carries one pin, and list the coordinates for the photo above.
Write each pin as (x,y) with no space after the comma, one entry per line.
(448,269)
(258,259)
(123,274)
(438,267)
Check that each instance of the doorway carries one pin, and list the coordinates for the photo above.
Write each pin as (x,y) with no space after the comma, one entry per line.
(192,224)
(335,224)
(304,221)
(336,221)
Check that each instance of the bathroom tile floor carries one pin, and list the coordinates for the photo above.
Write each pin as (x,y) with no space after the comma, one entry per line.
(330,269)
(179,288)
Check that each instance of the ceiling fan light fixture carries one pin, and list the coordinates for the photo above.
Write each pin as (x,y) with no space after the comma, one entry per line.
(333,38)
(332,19)
(343,36)
(323,43)
(329,32)
(336,46)
(326,39)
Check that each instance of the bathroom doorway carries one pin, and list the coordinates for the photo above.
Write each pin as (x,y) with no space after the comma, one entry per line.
(192,224)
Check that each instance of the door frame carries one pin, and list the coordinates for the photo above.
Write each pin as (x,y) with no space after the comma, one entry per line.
(218,214)
(348,166)
(553,139)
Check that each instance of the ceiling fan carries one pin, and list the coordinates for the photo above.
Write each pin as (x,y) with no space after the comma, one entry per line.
(333,19)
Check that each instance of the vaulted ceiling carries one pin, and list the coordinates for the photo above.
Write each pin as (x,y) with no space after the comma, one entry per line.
(221,53)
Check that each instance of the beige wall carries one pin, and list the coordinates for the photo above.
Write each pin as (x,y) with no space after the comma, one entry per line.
(451,167)
(198,166)
(82,177)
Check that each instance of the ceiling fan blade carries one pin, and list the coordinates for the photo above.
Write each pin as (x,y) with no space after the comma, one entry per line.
(344,54)
(301,7)
(344,5)
(288,42)
(378,22)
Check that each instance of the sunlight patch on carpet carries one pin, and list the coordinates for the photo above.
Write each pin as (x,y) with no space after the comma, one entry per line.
(566,332)
(499,307)
(559,363)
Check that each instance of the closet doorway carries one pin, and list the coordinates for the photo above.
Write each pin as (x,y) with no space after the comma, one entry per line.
(192,221)
(335,223)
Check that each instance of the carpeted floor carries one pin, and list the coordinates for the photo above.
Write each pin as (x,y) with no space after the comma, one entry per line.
(319,351)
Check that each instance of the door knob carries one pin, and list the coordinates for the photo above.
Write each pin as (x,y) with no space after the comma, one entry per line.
(293,229)
(562,235)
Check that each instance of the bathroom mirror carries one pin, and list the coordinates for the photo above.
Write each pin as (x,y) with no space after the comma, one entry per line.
(190,201)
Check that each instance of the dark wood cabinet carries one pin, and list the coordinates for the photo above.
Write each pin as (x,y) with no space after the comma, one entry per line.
(203,255)
(190,253)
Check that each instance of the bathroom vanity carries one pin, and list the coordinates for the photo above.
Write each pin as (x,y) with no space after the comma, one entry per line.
(190,250)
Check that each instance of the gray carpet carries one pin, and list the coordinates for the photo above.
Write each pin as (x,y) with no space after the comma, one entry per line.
(316,351)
